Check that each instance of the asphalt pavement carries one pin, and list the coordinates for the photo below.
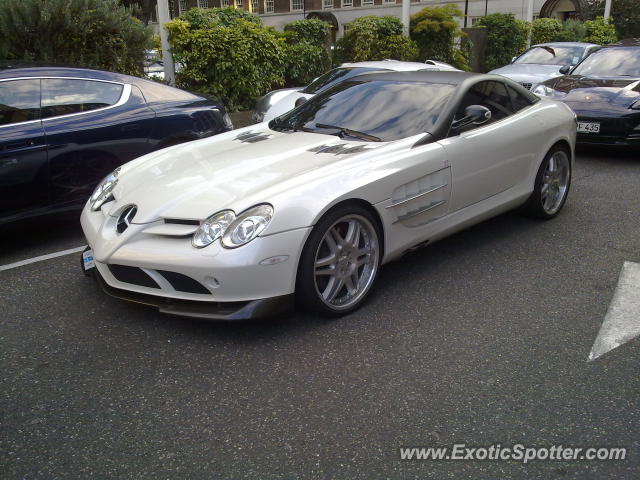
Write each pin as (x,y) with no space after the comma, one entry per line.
(481,338)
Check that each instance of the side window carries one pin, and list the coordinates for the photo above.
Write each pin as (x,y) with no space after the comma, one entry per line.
(490,94)
(64,96)
(19,101)
(518,100)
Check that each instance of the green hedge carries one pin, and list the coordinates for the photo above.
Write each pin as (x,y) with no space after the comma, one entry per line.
(229,57)
(506,38)
(313,31)
(545,30)
(599,31)
(435,30)
(88,33)
(375,38)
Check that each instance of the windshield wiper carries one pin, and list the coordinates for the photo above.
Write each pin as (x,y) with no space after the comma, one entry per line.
(352,133)
(278,124)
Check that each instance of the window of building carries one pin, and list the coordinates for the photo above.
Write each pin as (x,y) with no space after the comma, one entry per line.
(239,4)
(19,101)
(182,6)
(367,2)
(389,1)
(297,5)
(64,97)
(225,3)
(327,3)
(268,6)
(203,4)
(347,3)
(255,6)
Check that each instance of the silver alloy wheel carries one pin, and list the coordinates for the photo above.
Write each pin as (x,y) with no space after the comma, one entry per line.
(555,182)
(346,262)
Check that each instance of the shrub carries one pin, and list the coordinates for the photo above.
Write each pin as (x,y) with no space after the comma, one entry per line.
(99,34)
(368,37)
(599,31)
(313,31)
(201,19)
(572,31)
(545,30)
(304,61)
(235,60)
(506,38)
(435,30)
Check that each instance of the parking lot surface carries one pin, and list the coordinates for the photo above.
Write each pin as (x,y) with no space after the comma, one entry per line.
(481,338)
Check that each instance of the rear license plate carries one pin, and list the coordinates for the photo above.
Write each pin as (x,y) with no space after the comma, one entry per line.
(588,127)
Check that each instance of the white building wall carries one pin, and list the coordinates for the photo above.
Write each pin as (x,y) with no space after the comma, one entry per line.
(346,15)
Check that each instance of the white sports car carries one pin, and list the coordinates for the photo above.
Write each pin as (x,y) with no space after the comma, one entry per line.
(314,202)
(281,101)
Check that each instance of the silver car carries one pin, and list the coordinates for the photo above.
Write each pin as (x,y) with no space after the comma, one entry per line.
(545,61)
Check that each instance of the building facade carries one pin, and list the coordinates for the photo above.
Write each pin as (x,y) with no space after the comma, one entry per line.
(339,13)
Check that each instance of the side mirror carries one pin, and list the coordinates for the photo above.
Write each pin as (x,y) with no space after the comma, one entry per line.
(473,114)
(513,59)
(300,101)
(565,69)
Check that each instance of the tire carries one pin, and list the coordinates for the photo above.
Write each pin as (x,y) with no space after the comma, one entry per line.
(340,261)
(552,184)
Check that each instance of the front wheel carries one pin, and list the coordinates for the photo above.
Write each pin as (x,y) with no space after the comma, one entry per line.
(340,262)
(552,184)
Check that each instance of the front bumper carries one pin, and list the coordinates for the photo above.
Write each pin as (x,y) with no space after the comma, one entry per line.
(621,131)
(222,311)
(212,282)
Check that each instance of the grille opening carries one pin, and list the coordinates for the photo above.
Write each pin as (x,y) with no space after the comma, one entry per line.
(133,275)
(183,283)
(181,221)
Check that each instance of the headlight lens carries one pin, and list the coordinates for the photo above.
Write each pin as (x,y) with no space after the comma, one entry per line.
(102,193)
(543,90)
(212,228)
(247,226)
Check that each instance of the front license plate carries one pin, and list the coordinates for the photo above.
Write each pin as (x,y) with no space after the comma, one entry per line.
(87,260)
(588,127)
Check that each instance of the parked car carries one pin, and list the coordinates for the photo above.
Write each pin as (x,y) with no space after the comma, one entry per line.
(544,61)
(63,129)
(315,201)
(604,92)
(281,101)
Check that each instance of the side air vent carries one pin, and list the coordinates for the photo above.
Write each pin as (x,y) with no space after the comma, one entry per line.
(182,283)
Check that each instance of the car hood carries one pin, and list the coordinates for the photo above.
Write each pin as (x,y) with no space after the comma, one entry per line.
(234,170)
(529,72)
(595,93)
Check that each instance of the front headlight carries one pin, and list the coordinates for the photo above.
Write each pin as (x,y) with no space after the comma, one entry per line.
(247,226)
(102,193)
(212,228)
(543,90)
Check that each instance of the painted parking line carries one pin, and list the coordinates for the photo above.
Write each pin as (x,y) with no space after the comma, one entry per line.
(41,258)
(622,321)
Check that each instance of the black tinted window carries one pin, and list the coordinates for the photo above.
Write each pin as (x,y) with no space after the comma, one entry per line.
(518,100)
(389,110)
(65,96)
(19,101)
(492,95)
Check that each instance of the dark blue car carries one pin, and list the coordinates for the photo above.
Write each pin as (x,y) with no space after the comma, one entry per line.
(63,129)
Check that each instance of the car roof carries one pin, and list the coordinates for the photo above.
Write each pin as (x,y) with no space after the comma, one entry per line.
(566,44)
(395,65)
(453,77)
(52,71)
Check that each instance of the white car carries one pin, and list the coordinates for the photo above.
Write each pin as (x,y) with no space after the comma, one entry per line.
(314,202)
(545,61)
(277,102)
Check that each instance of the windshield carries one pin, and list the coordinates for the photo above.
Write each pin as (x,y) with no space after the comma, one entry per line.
(616,61)
(374,110)
(548,55)
(329,79)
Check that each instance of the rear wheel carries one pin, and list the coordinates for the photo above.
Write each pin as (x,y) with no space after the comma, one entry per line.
(340,262)
(552,184)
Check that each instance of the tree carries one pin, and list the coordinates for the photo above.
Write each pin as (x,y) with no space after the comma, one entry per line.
(506,38)
(435,30)
(624,13)
(599,31)
(143,8)
(99,34)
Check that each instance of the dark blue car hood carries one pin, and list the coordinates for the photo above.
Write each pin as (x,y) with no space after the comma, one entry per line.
(596,93)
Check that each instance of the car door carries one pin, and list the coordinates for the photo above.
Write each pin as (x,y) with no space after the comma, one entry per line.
(486,159)
(24,176)
(91,127)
